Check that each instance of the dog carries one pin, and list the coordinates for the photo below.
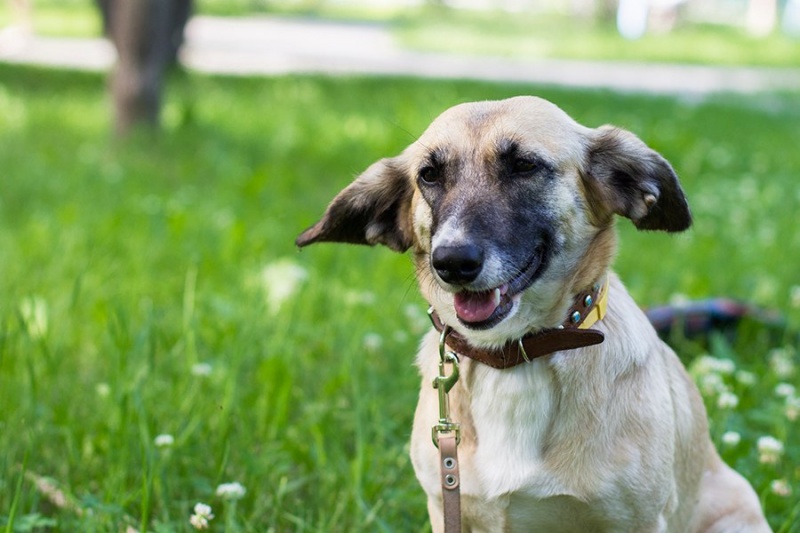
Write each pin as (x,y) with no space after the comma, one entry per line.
(508,208)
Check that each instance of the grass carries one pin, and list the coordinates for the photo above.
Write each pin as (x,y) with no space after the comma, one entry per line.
(152,287)
(543,35)
(531,34)
(63,18)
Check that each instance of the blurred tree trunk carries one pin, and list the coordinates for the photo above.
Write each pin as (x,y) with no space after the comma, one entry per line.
(147,35)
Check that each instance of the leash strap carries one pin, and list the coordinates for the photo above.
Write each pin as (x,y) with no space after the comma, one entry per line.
(451,481)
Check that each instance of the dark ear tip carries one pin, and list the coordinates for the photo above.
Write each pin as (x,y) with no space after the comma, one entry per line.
(678,228)
(671,224)
(685,224)
(309,236)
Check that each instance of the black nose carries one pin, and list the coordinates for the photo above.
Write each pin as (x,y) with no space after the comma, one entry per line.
(458,264)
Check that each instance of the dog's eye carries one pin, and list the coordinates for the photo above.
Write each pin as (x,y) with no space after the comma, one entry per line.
(523,166)
(429,175)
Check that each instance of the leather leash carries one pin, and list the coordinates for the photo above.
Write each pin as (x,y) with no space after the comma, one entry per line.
(451,494)
(588,307)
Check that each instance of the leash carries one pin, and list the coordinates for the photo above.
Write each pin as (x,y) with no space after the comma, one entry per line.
(588,308)
(446,435)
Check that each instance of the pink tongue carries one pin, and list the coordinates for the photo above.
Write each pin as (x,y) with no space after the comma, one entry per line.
(475,306)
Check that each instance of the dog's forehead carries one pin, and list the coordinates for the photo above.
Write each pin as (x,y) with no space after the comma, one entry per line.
(533,123)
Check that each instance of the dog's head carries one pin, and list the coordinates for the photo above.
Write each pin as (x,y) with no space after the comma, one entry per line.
(508,207)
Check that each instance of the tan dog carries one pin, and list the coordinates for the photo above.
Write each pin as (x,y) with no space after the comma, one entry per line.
(509,209)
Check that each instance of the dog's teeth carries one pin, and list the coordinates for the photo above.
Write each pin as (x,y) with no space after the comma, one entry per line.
(497,296)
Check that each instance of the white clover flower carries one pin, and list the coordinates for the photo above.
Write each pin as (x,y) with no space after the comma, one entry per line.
(702,365)
(731,438)
(726,367)
(203,510)
(201,369)
(784,390)
(34,316)
(164,440)
(792,408)
(201,517)
(745,378)
(712,384)
(231,491)
(780,360)
(280,280)
(708,372)
(372,342)
(198,522)
(727,400)
(770,449)
(780,487)
(706,364)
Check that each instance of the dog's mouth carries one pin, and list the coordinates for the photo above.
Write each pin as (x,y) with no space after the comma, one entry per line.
(486,308)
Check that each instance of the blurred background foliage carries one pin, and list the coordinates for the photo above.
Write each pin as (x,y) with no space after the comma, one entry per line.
(728,32)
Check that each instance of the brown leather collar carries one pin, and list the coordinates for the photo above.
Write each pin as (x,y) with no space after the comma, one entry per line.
(569,335)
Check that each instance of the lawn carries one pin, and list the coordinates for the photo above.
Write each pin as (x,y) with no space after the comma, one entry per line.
(160,335)
(543,35)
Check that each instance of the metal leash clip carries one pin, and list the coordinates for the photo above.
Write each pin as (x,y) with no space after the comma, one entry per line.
(443,383)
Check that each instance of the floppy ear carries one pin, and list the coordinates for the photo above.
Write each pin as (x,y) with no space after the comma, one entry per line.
(374,209)
(634,181)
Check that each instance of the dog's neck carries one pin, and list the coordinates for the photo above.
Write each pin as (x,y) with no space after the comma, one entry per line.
(588,307)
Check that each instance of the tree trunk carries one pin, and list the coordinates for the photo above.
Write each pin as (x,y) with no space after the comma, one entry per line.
(147,35)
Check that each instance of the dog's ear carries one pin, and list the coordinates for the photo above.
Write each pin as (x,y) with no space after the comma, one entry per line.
(374,209)
(634,181)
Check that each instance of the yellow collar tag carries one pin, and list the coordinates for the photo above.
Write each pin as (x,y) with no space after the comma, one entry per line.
(598,311)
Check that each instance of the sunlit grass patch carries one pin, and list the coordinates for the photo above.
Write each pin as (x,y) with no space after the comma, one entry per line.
(537,35)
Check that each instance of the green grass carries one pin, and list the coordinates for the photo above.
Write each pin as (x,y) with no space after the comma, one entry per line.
(63,18)
(541,35)
(123,265)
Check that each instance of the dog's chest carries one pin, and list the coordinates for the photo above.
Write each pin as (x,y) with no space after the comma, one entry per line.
(506,481)
(507,478)
(529,456)
(511,413)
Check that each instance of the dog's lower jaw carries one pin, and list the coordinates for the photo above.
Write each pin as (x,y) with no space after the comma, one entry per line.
(541,307)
